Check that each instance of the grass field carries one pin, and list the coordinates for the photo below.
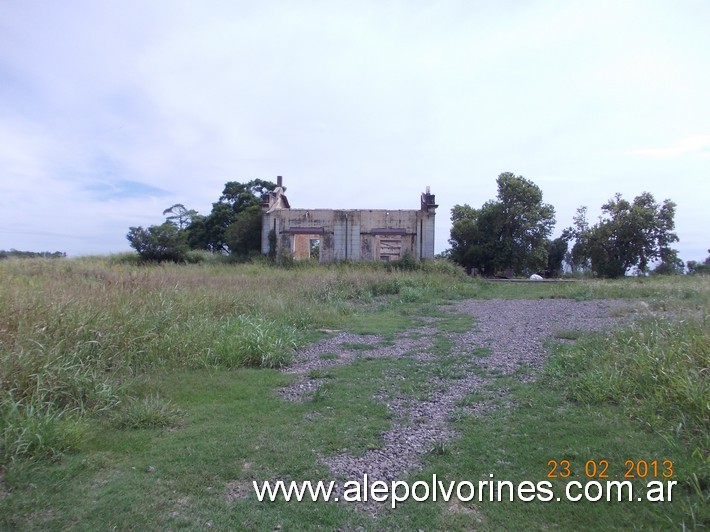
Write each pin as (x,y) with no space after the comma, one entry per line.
(146,397)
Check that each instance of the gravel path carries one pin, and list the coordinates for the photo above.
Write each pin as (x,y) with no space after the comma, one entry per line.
(513,330)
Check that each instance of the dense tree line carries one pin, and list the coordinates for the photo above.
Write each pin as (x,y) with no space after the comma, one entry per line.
(509,236)
(232,227)
(699,267)
(14,253)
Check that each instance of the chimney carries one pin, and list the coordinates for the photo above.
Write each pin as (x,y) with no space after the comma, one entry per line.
(279,181)
(429,201)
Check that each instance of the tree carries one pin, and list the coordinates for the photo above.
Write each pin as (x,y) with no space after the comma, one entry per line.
(180,216)
(243,236)
(233,226)
(578,257)
(527,223)
(159,243)
(474,237)
(703,267)
(670,264)
(627,235)
(556,251)
(242,195)
(196,232)
(506,235)
(237,204)
(213,227)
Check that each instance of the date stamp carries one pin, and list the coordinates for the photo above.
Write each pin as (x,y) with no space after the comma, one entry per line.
(602,469)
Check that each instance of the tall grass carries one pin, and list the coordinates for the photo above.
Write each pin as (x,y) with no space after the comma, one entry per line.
(656,368)
(73,332)
(658,371)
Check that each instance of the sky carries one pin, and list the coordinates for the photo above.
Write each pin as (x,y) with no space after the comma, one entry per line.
(112,111)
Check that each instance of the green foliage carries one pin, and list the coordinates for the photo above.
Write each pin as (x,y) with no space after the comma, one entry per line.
(406,263)
(208,232)
(670,265)
(628,235)
(13,253)
(700,268)
(180,215)
(232,225)
(506,235)
(556,251)
(243,236)
(159,243)
(76,332)
(251,341)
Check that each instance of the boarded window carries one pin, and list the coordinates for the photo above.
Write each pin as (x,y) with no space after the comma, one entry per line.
(389,248)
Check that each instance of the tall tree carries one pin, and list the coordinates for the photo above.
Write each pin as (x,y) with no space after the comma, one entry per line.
(180,215)
(475,237)
(211,232)
(527,223)
(506,235)
(242,195)
(556,251)
(243,236)
(627,235)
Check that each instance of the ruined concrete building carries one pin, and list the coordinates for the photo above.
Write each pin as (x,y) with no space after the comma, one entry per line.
(355,234)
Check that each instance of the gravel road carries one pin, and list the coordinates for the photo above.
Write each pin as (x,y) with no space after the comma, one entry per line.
(514,331)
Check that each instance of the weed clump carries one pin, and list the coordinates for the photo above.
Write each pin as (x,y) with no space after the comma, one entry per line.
(148,412)
(251,341)
(32,431)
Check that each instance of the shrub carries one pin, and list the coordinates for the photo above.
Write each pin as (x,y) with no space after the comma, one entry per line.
(159,243)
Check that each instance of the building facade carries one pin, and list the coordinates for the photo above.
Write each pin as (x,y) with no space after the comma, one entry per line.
(353,234)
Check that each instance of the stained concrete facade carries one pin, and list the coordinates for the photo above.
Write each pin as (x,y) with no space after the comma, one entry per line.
(353,234)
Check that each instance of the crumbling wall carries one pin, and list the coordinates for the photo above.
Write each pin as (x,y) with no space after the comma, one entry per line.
(356,235)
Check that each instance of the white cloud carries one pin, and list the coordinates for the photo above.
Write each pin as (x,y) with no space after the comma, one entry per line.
(698,145)
(355,104)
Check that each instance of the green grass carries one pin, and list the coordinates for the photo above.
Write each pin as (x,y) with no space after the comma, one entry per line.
(516,444)
(146,397)
(657,372)
(660,292)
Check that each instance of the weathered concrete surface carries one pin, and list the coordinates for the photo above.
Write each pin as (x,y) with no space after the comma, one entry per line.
(356,235)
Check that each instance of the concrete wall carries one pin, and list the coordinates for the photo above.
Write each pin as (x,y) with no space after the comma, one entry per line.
(351,234)
(357,235)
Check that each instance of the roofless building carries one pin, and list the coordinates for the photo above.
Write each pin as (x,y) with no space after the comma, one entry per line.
(350,234)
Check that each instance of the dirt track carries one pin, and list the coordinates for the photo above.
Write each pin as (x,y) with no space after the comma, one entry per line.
(514,331)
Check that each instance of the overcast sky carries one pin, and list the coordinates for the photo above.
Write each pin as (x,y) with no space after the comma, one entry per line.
(111,111)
